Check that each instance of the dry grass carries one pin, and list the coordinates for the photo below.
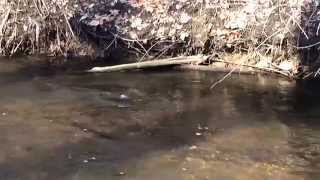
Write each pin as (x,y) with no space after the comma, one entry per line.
(35,27)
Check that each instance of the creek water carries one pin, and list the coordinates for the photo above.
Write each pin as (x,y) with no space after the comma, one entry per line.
(156,125)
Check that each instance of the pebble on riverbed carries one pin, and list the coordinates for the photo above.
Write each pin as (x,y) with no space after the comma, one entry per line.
(123,106)
(124,97)
(184,169)
(90,159)
(120,173)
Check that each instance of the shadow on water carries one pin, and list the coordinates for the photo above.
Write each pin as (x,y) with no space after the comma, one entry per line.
(157,125)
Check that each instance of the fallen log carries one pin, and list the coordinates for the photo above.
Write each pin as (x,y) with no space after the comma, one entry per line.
(194,63)
(151,64)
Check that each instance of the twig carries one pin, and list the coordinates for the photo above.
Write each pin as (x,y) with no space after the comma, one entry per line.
(67,21)
(16,48)
(269,37)
(302,30)
(132,40)
(164,51)
(158,42)
(58,38)
(36,6)
(317,73)
(222,79)
(110,44)
(45,5)
(4,20)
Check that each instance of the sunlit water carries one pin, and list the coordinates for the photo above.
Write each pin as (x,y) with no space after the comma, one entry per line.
(156,126)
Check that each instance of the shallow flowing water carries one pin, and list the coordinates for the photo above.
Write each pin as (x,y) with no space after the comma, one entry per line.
(156,125)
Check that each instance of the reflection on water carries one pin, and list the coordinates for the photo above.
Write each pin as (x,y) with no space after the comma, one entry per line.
(157,125)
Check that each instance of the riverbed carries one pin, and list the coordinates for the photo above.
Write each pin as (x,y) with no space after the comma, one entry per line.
(155,125)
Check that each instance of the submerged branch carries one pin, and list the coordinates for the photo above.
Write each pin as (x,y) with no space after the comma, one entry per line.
(239,68)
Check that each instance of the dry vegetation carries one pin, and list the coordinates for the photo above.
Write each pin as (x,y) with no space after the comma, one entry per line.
(271,32)
(36,27)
